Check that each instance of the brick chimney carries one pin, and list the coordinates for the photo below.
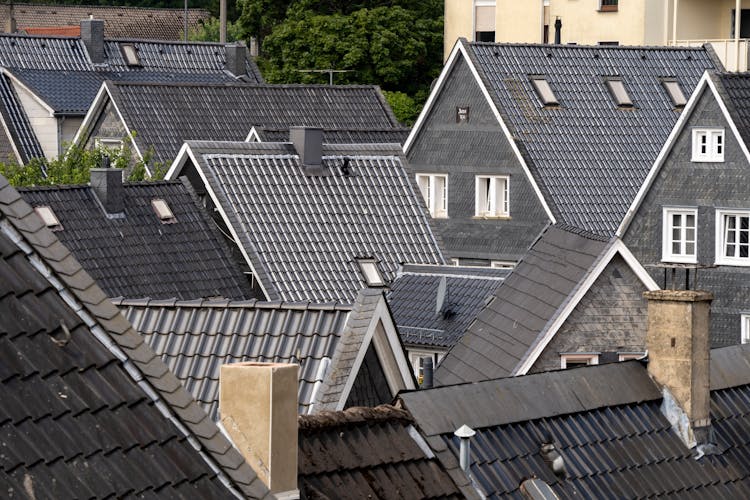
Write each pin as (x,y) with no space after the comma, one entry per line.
(107,185)
(258,407)
(308,142)
(235,54)
(92,35)
(678,358)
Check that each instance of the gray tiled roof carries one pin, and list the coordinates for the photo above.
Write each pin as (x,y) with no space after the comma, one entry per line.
(15,119)
(119,22)
(413,294)
(88,409)
(588,157)
(137,255)
(606,423)
(735,91)
(194,338)
(342,136)
(304,233)
(522,306)
(166,115)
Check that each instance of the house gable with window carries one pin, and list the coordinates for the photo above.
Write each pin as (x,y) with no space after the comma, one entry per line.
(694,209)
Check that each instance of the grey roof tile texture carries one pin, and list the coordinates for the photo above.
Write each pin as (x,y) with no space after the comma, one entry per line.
(194,338)
(342,136)
(139,256)
(89,411)
(167,115)
(413,302)
(304,233)
(17,122)
(735,91)
(522,306)
(588,156)
(607,424)
(119,22)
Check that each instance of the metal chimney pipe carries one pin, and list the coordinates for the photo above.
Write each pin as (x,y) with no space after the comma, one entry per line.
(465,433)
(427,373)
(558,30)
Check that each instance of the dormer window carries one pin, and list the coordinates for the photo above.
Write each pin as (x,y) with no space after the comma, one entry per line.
(49,218)
(675,92)
(544,91)
(162,210)
(616,88)
(371,272)
(130,54)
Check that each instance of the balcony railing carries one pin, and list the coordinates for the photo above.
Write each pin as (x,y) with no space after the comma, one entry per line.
(725,49)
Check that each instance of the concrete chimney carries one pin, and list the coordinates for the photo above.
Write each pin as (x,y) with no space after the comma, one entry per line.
(258,406)
(107,185)
(235,54)
(678,358)
(309,145)
(92,35)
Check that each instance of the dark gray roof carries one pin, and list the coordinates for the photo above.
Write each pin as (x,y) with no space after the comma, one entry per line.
(339,136)
(413,295)
(139,256)
(606,423)
(734,89)
(304,234)
(119,22)
(166,115)
(17,123)
(505,330)
(588,157)
(88,409)
(194,338)
(370,453)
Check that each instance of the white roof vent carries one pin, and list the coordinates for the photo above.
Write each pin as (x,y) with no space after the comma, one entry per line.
(163,211)
(544,91)
(371,273)
(675,92)
(619,93)
(48,217)
(130,54)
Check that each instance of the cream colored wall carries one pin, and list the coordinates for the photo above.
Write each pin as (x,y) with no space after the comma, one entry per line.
(459,22)
(518,21)
(656,15)
(583,24)
(41,120)
(69,128)
(706,19)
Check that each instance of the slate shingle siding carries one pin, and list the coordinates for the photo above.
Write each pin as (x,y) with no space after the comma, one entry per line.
(464,150)
(682,183)
(611,317)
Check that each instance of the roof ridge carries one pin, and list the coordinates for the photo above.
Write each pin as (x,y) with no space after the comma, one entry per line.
(354,415)
(147,302)
(597,47)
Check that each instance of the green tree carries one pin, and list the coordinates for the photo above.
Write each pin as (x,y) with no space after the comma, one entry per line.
(208,31)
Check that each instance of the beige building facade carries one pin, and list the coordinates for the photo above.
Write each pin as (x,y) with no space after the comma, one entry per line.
(592,22)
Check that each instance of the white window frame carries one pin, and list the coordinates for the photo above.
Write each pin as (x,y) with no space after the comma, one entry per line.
(416,356)
(721,234)
(483,3)
(714,145)
(491,208)
(745,327)
(437,205)
(667,255)
(108,143)
(590,358)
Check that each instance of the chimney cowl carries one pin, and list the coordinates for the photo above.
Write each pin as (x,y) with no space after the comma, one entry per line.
(92,35)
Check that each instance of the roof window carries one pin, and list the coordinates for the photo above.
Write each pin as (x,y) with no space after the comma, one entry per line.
(544,91)
(130,53)
(163,211)
(619,94)
(674,91)
(48,217)
(370,271)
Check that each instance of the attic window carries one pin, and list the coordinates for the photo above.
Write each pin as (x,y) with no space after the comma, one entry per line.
(163,211)
(675,92)
(544,91)
(619,94)
(48,217)
(130,53)
(371,273)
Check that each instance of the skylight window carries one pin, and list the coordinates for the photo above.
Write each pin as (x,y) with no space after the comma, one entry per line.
(163,211)
(675,92)
(48,217)
(619,94)
(544,91)
(371,273)
(130,53)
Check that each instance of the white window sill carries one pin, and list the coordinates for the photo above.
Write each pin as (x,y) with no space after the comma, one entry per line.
(679,259)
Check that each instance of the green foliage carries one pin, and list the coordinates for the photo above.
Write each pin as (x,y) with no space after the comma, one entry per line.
(73,167)
(208,31)
(404,107)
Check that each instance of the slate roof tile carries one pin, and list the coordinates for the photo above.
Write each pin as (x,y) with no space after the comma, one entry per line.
(15,119)
(588,156)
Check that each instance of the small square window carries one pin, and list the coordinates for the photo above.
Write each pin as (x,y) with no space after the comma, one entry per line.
(492,196)
(434,189)
(544,91)
(733,238)
(130,54)
(608,5)
(371,272)
(679,235)
(108,143)
(745,328)
(163,211)
(619,93)
(417,360)
(575,360)
(708,145)
(675,92)
(48,217)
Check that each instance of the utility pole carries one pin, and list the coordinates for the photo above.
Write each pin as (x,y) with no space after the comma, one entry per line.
(223,21)
(186,21)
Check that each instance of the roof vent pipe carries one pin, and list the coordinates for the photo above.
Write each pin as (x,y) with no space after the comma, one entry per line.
(92,35)
(427,373)
(465,433)
(558,31)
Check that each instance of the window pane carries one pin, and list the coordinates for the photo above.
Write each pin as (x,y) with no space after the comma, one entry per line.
(689,248)
(690,220)
(545,91)
(690,234)
(676,247)
(617,87)
(675,93)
